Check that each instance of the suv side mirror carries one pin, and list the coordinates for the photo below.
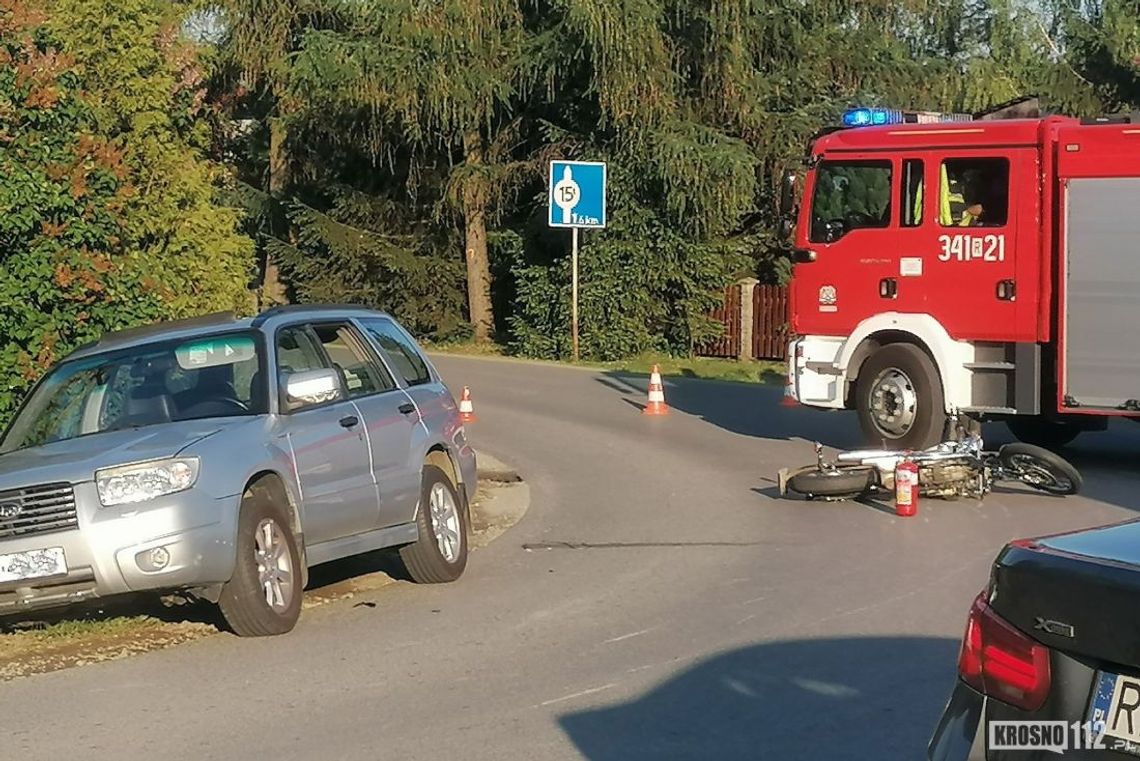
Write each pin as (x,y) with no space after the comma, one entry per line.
(312,387)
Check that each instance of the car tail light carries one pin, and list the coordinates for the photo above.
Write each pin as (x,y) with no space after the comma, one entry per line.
(1001,662)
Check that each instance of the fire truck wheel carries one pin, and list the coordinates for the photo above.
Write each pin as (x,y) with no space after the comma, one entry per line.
(898,397)
(1051,434)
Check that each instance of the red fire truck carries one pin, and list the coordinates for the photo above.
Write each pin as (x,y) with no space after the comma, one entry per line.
(990,267)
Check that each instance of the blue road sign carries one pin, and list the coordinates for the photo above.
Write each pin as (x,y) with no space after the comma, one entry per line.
(577,194)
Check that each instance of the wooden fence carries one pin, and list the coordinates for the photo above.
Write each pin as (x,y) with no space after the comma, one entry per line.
(770,322)
(728,315)
(769,333)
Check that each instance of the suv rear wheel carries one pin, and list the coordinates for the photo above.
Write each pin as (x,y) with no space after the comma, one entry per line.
(440,554)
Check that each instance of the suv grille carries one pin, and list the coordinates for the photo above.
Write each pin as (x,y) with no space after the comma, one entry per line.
(37,510)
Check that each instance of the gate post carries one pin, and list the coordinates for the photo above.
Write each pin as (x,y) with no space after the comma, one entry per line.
(747,317)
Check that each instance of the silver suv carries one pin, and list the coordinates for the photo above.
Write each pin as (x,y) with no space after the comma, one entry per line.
(226,457)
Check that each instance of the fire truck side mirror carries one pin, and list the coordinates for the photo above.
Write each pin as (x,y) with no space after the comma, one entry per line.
(787,210)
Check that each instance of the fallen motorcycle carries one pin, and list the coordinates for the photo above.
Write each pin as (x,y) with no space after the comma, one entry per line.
(958,467)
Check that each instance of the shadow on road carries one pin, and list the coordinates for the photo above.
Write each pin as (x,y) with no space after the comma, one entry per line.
(853,698)
(750,409)
(331,574)
(1108,460)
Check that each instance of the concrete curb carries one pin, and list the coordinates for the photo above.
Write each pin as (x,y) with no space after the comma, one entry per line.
(501,501)
(493,469)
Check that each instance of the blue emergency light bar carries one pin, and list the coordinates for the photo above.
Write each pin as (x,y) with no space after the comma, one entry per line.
(866,117)
(874,117)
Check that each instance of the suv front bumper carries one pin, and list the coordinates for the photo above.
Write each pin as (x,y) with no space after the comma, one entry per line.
(108,553)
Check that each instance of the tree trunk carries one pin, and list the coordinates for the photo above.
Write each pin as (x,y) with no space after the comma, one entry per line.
(272,289)
(475,199)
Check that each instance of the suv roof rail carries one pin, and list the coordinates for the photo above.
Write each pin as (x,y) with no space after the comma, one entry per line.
(158,328)
(291,308)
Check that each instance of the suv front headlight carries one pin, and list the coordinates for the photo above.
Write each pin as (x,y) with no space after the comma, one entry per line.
(145,480)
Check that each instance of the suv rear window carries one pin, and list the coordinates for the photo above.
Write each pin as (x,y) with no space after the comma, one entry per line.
(402,351)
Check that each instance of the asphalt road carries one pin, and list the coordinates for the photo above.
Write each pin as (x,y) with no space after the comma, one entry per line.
(656,602)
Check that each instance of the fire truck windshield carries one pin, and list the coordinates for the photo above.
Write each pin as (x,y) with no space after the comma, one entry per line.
(849,195)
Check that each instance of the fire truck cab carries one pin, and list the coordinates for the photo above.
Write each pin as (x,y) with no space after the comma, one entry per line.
(989,267)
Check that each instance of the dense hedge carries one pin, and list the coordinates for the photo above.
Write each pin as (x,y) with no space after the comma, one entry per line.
(106,211)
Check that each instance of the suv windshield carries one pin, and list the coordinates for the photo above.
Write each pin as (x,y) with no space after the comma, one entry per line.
(188,379)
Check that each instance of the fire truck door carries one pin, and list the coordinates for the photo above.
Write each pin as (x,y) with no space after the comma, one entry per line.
(849,255)
(968,241)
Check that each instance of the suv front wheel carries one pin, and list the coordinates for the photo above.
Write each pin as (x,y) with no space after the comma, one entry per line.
(264,595)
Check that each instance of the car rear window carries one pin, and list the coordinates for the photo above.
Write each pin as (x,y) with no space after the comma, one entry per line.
(401,351)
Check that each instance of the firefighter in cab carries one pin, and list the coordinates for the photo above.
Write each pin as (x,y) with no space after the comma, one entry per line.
(960,201)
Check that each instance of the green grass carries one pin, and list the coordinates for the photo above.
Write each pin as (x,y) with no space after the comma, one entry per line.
(686,367)
(705,368)
(104,627)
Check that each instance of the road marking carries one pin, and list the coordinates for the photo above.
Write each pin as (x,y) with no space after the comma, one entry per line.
(754,599)
(578,694)
(746,619)
(531,546)
(739,687)
(626,636)
(969,565)
(828,689)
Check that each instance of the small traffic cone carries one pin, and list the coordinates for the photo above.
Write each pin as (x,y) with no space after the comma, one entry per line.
(656,404)
(788,400)
(466,408)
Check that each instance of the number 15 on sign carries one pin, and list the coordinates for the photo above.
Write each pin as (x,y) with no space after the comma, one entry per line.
(577,194)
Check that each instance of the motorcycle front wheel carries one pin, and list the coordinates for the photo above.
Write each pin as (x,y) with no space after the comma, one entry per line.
(844,483)
(1039,468)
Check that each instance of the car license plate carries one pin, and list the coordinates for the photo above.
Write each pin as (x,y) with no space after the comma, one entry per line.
(33,564)
(1115,705)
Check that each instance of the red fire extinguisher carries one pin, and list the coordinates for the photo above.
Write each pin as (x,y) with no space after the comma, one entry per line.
(906,489)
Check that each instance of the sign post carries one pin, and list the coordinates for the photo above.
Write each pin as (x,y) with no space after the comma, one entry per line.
(577,201)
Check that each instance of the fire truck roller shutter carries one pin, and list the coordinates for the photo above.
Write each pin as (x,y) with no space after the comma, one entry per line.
(1100,344)
(946,358)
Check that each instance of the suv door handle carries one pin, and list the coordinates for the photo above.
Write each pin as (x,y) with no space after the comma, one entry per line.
(351,421)
(407,408)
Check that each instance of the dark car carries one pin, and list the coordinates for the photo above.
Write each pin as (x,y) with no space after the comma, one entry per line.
(1050,659)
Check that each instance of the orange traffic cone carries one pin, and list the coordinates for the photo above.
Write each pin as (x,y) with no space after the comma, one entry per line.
(656,404)
(466,408)
(788,400)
